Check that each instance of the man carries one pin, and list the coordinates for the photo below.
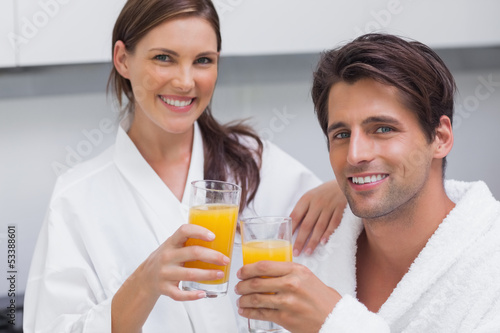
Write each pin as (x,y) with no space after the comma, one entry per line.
(413,253)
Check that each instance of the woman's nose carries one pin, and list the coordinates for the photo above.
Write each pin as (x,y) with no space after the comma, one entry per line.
(183,80)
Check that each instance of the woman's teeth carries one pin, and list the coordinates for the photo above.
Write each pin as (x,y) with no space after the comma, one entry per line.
(367,179)
(174,102)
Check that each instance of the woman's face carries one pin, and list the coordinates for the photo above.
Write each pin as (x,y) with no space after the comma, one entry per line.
(173,71)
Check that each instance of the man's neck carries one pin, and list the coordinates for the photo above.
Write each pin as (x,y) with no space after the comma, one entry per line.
(389,245)
(397,239)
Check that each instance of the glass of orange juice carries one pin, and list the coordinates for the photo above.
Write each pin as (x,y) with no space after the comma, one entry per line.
(266,238)
(213,205)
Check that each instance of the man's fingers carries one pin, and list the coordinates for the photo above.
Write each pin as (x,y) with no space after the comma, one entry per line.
(265,268)
(259,314)
(257,301)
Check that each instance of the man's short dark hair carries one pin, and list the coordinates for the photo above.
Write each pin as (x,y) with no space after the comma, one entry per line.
(424,83)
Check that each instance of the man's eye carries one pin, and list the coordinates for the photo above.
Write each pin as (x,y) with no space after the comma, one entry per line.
(343,135)
(384,130)
(162,57)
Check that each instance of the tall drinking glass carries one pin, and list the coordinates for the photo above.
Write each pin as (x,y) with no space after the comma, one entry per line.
(266,238)
(213,205)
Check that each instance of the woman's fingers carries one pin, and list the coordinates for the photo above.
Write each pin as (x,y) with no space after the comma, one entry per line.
(317,215)
(332,225)
(193,253)
(318,232)
(186,231)
(194,274)
(181,295)
(306,227)
(175,251)
(299,211)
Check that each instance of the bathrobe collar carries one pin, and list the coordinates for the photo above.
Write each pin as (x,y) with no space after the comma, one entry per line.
(148,184)
(469,219)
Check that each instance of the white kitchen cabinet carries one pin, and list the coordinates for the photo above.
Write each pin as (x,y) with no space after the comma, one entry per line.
(79,31)
(66,31)
(253,27)
(8,33)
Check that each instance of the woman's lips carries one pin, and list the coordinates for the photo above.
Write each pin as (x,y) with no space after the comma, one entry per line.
(178,103)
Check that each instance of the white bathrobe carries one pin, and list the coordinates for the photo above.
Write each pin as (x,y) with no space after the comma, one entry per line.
(452,286)
(107,215)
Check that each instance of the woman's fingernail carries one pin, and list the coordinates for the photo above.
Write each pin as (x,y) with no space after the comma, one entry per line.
(220,275)
(211,236)
(324,241)
(202,295)
(308,252)
(226,260)
(296,253)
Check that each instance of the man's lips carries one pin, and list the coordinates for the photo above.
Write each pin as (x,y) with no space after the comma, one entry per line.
(367,179)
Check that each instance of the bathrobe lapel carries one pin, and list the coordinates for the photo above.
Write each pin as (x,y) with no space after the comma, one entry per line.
(458,232)
(169,213)
(166,214)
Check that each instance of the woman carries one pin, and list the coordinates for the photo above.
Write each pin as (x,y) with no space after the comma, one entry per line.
(112,242)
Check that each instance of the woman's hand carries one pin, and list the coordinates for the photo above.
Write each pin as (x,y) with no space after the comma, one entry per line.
(316,215)
(164,268)
(290,295)
(160,274)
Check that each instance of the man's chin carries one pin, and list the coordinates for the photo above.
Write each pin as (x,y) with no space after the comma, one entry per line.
(365,211)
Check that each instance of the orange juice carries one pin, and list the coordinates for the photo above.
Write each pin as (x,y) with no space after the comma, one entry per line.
(221,220)
(272,249)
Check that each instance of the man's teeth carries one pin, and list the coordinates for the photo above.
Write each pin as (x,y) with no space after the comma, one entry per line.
(174,102)
(367,179)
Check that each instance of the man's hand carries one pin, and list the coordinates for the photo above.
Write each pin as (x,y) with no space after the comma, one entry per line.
(289,295)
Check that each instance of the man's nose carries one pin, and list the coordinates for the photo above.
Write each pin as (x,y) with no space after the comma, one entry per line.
(361,148)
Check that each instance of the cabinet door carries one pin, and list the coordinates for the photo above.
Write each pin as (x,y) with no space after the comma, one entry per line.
(66,31)
(9,36)
(298,26)
(79,31)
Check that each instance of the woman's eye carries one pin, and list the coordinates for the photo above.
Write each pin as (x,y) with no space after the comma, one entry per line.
(162,57)
(384,130)
(204,60)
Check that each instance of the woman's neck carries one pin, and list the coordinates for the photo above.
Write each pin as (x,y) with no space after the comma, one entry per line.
(169,154)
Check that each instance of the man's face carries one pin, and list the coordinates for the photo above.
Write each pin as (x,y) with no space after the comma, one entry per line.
(378,151)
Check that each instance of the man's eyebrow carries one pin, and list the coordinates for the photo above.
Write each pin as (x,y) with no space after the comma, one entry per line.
(369,120)
(381,119)
(334,126)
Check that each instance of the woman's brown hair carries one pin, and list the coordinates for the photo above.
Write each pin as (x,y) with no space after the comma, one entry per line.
(226,158)
(424,83)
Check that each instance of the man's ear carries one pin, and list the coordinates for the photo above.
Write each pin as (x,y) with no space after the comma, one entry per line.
(120,59)
(443,140)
